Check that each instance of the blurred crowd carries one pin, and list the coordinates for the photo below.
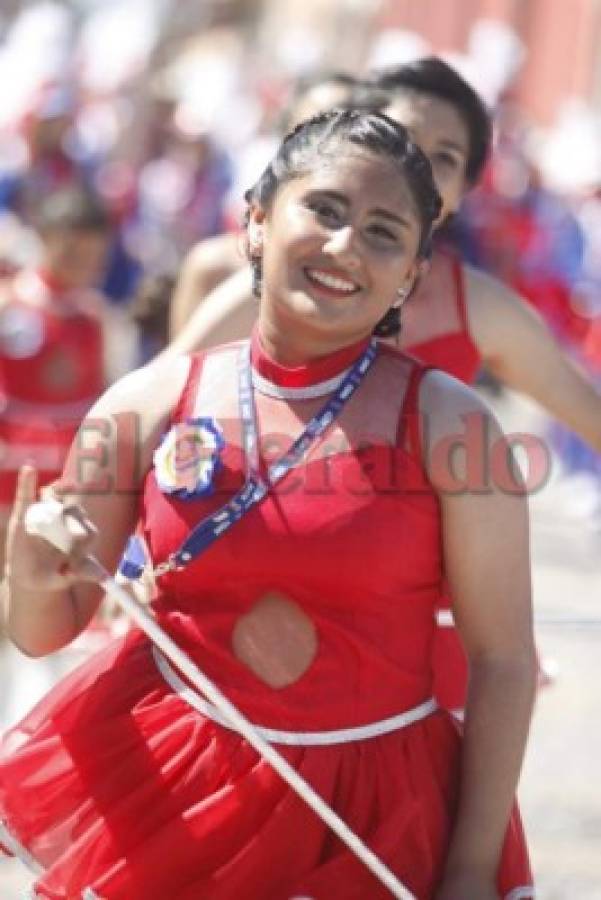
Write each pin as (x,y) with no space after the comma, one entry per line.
(115,163)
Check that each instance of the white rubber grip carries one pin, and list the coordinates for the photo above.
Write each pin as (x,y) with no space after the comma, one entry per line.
(46,520)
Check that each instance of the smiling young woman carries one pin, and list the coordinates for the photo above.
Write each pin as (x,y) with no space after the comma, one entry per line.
(312,607)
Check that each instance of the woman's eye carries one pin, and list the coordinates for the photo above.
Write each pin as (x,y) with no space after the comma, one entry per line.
(324,210)
(381,232)
(446,160)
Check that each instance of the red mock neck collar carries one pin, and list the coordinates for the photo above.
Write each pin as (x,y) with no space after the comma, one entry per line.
(311,372)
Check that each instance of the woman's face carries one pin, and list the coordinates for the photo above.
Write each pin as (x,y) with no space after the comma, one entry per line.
(337,244)
(438,129)
(78,257)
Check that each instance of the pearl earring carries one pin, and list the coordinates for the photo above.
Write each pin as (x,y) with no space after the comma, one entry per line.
(402,294)
(255,238)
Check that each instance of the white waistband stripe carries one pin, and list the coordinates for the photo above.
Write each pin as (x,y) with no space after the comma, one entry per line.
(444,618)
(526,892)
(295,738)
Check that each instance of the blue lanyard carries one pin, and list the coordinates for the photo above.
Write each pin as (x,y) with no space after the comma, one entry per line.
(255,487)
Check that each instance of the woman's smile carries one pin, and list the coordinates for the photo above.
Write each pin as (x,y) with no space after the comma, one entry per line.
(331,282)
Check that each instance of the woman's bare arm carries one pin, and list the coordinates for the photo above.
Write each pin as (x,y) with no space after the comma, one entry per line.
(518,348)
(205,267)
(487,563)
(227,314)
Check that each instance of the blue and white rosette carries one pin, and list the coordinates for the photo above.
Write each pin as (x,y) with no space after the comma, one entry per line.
(188,458)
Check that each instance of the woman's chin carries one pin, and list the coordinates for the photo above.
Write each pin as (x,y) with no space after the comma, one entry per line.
(330,312)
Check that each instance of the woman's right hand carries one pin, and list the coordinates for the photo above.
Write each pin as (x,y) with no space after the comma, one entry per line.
(32,563)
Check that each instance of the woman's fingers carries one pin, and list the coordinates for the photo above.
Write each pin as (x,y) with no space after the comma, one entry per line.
(27,556)
(79,568)
(25,495)
(35,558)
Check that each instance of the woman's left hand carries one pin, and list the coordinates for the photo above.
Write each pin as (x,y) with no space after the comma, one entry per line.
(467,886)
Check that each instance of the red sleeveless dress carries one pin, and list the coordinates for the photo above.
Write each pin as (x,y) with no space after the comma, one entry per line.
(436,331)
(120,789)
(435,323)
(51,371)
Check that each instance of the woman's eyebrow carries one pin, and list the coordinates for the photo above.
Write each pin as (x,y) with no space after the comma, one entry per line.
(377,211)
(392,217)
(332,195)
(453,145)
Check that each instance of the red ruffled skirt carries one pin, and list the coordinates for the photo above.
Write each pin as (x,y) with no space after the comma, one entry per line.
(113,783)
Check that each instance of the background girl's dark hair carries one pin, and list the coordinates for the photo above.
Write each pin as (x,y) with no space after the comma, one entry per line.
(373,131)
(73,209)
(359,95)
(431,75)
(306,84)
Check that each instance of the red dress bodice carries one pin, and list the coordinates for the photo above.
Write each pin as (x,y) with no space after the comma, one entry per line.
(435,324)
(364,564)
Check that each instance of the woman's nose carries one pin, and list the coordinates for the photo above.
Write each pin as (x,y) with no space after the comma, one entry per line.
(342,244)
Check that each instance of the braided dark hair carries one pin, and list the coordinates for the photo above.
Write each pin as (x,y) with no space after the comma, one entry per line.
(432,76)
(372,130)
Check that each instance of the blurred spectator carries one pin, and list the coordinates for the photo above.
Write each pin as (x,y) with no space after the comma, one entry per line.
(53,157)
(20,246)
(52,340)
(181,192)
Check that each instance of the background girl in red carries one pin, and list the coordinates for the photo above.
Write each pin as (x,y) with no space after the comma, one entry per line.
(459,318)
(52,341)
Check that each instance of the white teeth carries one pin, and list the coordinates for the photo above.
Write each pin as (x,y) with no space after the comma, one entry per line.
(332,281)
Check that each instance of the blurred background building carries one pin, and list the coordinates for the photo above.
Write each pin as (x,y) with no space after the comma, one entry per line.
(562,43)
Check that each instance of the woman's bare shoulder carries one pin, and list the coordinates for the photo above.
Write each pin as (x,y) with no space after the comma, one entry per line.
(451,407)
(487,293)
(446,398)
(151,391)
(220,252)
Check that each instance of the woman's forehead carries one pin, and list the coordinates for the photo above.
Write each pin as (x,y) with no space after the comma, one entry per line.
(354,166)
(358,175)
(426,116)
